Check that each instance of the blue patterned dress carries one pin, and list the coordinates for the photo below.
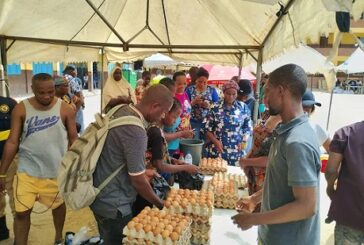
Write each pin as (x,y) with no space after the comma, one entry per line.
(229,126)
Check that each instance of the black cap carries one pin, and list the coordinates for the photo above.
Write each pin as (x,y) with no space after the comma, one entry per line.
(245,87)
(308,99)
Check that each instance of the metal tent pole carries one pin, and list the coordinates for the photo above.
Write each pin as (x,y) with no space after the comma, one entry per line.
(102,77)
(329,114)
(257,91)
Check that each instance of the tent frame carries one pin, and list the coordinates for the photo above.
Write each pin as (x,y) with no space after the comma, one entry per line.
(126,45)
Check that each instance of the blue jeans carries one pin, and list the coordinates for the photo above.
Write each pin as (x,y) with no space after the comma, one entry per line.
(111,230)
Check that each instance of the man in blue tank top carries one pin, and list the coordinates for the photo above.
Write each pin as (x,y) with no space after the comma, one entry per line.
(42,128)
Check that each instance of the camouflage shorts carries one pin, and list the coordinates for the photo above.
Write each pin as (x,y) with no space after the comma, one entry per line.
(345,235)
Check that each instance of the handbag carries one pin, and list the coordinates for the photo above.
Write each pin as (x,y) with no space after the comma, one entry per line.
(160,187)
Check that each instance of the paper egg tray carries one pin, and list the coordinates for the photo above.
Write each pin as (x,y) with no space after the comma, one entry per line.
(181,201)
(225,193)
(153,226)
(238,178)
(210,166)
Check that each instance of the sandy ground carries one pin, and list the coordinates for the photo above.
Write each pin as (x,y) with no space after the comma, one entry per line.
(346,109)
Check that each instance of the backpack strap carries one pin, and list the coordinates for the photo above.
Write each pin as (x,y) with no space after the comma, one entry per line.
(120,121)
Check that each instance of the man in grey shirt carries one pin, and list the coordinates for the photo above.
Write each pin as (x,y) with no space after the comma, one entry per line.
(127,145)
(290,195)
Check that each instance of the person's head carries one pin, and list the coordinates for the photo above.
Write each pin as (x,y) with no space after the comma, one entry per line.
(193,74)
(146,78)
(230,90)
(169,83)
(245,89)
(284,89)
(70,70)
(173,113)
(180,80)
(156,102)
(235,78)
(61,85)
(43,88)
(117,73)
(202,78)
(309,102)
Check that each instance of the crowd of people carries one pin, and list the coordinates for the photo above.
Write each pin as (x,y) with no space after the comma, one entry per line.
(281,162)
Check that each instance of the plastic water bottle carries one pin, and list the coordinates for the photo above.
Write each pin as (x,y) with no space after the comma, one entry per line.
(188,158)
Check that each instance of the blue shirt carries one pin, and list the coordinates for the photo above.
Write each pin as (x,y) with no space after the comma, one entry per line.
(229,125)
(174,144)
(294,161)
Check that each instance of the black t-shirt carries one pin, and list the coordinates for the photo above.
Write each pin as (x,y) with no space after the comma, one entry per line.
(155,143)
(6,107)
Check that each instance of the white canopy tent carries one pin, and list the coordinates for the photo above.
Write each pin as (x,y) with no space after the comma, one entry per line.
(159,60)
(231,32)
(308,58)
(354,64)
(210,31)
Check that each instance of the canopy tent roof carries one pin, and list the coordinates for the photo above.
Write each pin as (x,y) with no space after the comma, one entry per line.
(210,31)
(354,64)
(308,58)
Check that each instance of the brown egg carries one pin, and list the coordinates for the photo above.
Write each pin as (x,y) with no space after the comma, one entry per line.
(138,227)
(162,224)
(178,229)
(131,225)
(155,219)
(174,236)
(167,204)
(165,234)
(147,228)
(175,204)
(157,231)
(169,228)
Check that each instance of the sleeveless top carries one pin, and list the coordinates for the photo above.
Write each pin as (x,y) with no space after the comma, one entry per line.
(43,142)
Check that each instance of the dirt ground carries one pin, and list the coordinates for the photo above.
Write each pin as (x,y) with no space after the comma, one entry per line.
(347,109)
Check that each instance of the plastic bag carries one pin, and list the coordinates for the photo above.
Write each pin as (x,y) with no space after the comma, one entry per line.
(160,187)
(190,181)
(80,236)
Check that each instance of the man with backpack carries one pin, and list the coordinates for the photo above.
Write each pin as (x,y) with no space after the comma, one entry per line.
(126,145)
(42,128)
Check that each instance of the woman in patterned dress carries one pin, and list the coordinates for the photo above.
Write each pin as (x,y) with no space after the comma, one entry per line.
(228,125)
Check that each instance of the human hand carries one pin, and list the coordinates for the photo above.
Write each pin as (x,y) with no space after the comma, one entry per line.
(197,101)
(246,204)
(186,134)
(205,104)
(150,174)
(219,146)
(191,169)
(242,220)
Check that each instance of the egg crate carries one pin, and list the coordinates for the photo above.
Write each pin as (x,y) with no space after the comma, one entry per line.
(188,202)
(200,227)
(210,166)
(153,226)
(200,239)
(240,179)
(200,219)
(225,192)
